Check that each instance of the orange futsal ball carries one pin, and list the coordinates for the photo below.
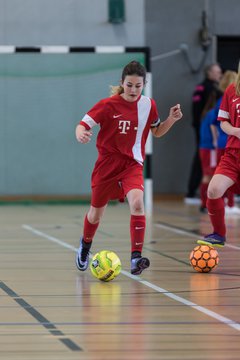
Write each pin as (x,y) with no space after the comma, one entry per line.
(204,258)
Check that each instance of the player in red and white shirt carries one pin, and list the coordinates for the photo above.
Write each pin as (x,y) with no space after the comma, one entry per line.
(227,173)
(125,120)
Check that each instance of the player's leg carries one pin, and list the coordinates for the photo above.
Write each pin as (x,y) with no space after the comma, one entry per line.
(203,192)
(99,202)
(101,194)
(91,223)
(208,161)
(215,204)
(230,198)
(204,157)
(137,231)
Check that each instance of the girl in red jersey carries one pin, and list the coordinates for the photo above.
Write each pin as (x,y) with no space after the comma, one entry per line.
(125,120)
(212,143)
(227,174)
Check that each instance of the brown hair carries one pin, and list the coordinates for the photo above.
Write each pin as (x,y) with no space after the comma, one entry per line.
(133,68)
(208,68)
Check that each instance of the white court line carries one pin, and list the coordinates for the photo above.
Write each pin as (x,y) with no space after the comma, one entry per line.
(189,233)
(220,318)
(49,237)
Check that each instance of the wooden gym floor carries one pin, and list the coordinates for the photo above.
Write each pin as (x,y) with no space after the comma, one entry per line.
(49,310)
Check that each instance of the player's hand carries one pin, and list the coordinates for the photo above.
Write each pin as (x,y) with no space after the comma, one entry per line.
(175,112)
(83,135)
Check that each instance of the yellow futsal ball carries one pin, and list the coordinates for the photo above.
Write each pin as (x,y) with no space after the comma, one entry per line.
(105,265)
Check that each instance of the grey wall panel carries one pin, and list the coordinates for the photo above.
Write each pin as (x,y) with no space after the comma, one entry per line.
(169,24)
(68,22)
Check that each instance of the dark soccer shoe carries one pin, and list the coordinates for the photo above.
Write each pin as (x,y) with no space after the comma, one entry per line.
(214,240)
(139,264)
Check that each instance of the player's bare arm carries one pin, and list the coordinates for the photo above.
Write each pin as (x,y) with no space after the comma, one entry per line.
(82,134)
(175,114)
(229,129)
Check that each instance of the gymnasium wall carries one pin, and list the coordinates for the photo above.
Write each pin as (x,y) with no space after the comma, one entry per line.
(69,22)
(169,24)
(162,25)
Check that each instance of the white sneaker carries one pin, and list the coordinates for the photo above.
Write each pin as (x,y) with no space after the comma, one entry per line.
(82,257)
(234,210)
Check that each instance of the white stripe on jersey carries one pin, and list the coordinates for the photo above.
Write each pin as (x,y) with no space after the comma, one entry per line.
(144,107)
(89,121)
(223,114)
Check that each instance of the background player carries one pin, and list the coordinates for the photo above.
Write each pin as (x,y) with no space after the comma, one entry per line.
(220,139)
(213,142)
(203,93)
(125,120)
(227,172)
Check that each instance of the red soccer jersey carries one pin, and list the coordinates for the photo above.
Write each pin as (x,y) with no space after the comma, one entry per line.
(230,111)
(124,125)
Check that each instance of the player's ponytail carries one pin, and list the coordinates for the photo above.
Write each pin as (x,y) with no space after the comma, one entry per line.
(116,90)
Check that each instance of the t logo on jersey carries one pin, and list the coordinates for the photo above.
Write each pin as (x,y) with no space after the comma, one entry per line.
(124,125)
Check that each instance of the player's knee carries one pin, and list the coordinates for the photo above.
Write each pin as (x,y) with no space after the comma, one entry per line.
(94,217)
(214,191)
(137,206)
